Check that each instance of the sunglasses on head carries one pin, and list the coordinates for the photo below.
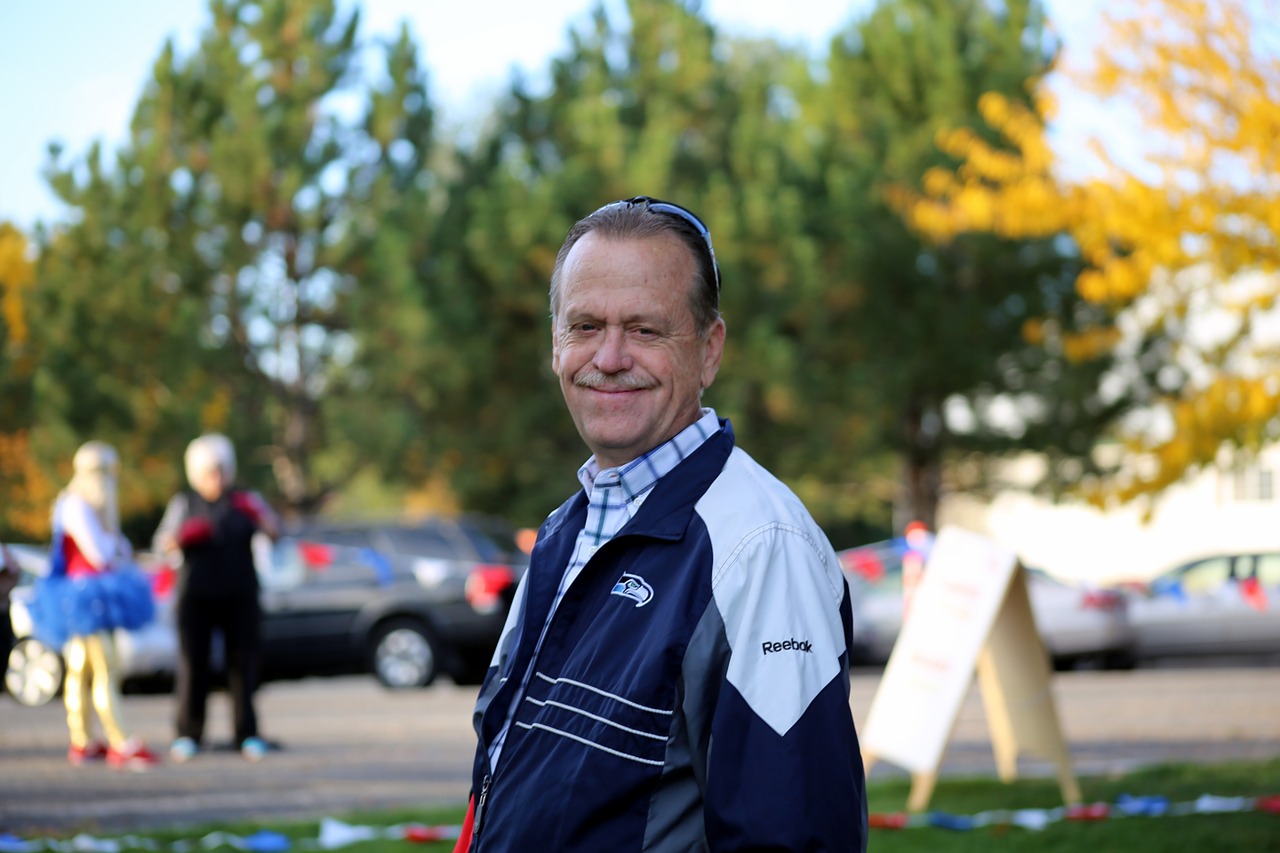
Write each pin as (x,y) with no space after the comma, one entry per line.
(657,205)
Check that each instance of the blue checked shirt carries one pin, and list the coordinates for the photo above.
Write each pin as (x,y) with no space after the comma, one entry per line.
(614,496)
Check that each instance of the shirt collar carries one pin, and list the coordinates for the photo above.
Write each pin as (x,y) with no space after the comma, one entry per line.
(641,473)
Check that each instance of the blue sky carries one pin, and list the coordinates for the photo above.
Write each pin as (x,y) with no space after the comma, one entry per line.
(71,70)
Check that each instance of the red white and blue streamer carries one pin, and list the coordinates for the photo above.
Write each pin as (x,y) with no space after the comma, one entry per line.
(1037,819)
(335,834)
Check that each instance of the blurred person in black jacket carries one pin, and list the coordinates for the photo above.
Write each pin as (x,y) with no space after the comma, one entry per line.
(208,529)
(8,580)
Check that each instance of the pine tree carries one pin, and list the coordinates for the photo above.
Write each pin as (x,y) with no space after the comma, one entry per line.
(232,269)
(936,340)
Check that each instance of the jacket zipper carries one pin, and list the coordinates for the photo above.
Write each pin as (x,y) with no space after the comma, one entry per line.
(478,824)
(487,783)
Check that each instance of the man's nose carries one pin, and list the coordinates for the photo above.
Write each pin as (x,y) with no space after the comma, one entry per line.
(611,356)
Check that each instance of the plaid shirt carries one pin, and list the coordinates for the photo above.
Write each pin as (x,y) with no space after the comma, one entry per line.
(614,496)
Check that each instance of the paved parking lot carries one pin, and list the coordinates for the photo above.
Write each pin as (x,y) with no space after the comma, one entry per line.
(347,744)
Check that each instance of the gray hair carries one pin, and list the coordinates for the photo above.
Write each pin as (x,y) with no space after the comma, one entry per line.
(211,450)
(621,221)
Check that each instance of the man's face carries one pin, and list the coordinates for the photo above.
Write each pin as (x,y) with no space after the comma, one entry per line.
(630,362)
(208,482)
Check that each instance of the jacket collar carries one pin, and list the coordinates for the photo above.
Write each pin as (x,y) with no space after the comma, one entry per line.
(666,513)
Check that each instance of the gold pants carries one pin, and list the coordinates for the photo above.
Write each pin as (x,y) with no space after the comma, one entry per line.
(91,664)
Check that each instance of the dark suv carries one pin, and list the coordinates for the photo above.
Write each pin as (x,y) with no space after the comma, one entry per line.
(403,600)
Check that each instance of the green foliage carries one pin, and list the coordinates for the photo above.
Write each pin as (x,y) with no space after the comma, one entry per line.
(237,268)
(927,332)
(629,111)
(655,105)
(847,336)
(285,251)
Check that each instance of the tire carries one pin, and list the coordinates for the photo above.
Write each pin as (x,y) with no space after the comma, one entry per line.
(34,673)
(1119,659)
(404,655)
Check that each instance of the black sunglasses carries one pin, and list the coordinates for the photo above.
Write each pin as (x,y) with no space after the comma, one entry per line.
(657,205)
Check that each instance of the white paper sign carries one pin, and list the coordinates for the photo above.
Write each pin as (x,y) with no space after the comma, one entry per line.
(933,661)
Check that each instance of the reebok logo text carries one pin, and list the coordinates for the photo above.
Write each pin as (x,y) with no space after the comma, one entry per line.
(792,645)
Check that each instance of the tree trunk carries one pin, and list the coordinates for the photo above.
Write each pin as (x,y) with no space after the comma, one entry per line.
(922,468)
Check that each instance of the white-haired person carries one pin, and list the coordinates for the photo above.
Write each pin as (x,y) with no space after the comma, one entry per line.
(211,526)
(93,587)
(9,574)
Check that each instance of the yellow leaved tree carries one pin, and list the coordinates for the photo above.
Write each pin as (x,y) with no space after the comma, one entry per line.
(1182,241)
(25,491)
(16,275)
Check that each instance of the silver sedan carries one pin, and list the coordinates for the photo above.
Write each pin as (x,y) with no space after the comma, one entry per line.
(1081,626)
(1220,605)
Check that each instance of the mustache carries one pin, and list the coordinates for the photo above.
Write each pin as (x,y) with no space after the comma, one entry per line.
(599,381)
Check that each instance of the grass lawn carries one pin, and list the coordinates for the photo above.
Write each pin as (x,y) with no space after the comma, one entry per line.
(1182,783)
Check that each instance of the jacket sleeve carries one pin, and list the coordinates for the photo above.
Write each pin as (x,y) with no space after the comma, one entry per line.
(165,540)
(783,766)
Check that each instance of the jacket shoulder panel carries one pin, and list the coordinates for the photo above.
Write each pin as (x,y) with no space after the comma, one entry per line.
(777,585)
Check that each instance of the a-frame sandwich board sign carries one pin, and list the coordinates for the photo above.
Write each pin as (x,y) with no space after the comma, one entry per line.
(970,614)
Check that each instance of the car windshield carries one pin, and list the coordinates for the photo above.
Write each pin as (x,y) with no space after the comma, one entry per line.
(342,537)
(1203,576)
(479,538)
(422,541)
(494,541)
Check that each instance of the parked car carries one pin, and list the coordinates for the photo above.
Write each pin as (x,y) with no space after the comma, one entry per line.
(1080,626)
(1225,604)
(403,601)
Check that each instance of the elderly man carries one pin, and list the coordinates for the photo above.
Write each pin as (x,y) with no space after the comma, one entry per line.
(674,671)
(209,530)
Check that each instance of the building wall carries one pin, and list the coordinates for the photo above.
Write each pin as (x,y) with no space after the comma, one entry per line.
(1224,510)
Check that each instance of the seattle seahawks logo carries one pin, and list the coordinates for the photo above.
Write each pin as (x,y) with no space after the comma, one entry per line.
(635,588)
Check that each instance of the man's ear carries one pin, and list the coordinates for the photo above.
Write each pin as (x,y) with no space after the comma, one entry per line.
(712,352)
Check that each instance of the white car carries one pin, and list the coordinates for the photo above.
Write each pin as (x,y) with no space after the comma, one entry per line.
(35,671)
(1080,626)
(1225,604)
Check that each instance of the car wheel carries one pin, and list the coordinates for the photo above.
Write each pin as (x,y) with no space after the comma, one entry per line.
(1121,659)
(405,655)
(34,673)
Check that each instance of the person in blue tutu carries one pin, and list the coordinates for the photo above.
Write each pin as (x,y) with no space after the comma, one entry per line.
(93,587)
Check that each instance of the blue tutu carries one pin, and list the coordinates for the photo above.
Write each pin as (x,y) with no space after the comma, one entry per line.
(63,607)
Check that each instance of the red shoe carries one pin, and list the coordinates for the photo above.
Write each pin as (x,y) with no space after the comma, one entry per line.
(91,751)
(132,756)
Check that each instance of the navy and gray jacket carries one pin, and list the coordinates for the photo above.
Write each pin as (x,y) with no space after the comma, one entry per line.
(691,691)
